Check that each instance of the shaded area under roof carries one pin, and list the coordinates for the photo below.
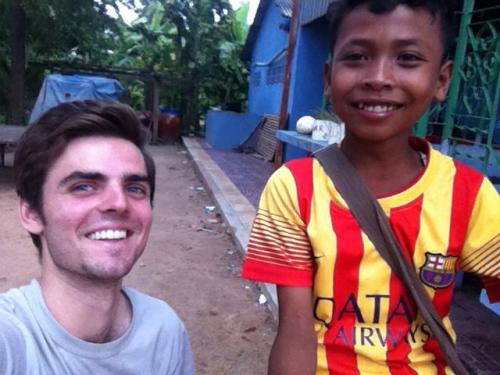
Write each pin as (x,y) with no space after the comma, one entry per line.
(312,10)
(286,7)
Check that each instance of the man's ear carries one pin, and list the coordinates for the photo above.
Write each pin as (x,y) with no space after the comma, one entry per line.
(444,81)
(30,218)
(327,68)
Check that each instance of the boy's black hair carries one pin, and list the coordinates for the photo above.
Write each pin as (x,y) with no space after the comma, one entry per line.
(439,9)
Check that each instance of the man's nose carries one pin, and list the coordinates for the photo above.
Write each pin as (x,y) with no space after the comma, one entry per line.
(379,75)
(114,200)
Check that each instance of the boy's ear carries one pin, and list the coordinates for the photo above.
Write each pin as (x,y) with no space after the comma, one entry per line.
(444,80)
(31,220)
(327,68)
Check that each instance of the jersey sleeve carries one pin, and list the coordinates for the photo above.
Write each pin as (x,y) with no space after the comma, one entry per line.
(481,252)
(279,251)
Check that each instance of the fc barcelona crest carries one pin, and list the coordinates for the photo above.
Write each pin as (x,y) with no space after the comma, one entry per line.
(438,272)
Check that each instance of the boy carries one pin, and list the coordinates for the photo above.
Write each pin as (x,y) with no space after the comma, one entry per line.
(86,187)
(341,309)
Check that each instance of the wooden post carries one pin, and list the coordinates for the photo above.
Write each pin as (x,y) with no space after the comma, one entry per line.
(292,41)
(155,110)
(16,41)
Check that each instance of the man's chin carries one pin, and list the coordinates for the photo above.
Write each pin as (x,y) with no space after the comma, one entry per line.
(105,274)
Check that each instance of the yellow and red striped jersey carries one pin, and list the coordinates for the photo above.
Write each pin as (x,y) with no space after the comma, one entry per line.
(366,322)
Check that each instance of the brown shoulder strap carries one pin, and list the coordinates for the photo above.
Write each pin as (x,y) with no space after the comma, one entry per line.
(372,219)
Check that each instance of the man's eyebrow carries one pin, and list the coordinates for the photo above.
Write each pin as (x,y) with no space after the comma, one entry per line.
(79,175)
(136,178)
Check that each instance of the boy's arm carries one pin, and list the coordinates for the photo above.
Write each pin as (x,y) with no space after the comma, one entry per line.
(294,349)
(279,252)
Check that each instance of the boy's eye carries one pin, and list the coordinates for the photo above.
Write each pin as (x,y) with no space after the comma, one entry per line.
(410,58)
(354,57)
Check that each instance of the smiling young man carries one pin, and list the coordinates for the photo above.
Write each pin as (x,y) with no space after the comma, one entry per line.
(86,187)
(341,308)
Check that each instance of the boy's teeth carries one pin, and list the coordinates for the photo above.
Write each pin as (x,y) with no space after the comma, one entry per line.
(376,108)
(108,234)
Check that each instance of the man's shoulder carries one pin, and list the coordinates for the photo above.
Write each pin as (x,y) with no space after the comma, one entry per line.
(156,323)
(146,301)
(14,333)
(153,309)
(11,328)
(13,349)
(16,299)
(16,312)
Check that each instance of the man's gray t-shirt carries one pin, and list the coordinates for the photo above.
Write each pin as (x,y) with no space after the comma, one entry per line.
(33,342)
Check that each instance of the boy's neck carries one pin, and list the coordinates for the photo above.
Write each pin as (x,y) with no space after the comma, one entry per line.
(387,167)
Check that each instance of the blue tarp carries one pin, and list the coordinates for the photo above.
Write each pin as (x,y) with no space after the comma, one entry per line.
(59,88)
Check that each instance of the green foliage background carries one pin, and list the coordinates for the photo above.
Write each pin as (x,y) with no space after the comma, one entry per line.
(195,43)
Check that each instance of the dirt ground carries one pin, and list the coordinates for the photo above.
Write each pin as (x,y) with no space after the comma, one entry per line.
(191,262)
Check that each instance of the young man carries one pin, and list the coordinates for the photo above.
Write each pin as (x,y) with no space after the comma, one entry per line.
(86,187)
(341,308)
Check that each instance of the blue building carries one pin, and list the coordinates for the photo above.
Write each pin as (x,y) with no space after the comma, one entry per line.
(267,56)
(266,48)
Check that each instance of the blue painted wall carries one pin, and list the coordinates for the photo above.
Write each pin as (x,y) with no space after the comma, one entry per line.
(226,130)
(306,89)
(265,98)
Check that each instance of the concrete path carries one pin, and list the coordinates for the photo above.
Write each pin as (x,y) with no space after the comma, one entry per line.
(236,210)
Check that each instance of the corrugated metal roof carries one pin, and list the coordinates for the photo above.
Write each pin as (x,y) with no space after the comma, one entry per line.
(286,7)
(311,10)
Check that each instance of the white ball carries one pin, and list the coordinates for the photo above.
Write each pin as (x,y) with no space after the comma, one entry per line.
(305,124)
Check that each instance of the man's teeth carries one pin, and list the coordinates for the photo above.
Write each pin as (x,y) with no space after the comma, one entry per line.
(108,234)
(378,108)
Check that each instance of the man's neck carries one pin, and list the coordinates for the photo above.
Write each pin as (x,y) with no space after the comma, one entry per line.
(90,311)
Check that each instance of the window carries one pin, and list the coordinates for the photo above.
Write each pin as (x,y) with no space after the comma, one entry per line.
(276,71)
(255,77)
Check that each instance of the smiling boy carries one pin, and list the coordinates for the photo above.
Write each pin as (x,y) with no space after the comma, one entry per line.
(86,187)
(341,308)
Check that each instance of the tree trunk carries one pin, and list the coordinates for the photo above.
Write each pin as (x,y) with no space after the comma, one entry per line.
(195,109)
(17,38)
(189,108)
